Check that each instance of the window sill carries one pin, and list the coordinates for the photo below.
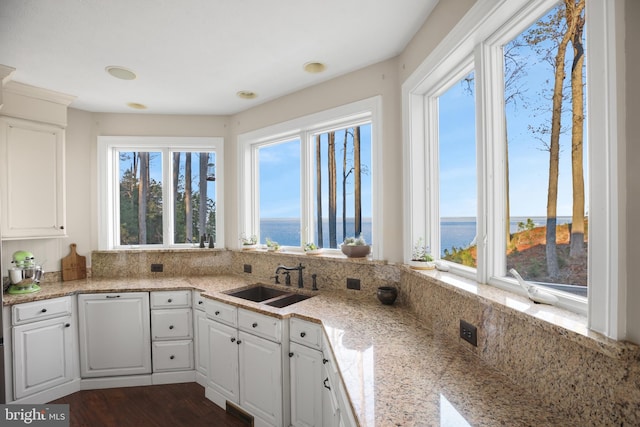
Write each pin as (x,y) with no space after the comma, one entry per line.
(556,320)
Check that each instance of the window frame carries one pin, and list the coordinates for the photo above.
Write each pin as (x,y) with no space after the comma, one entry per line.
(108,188)
(480,34)
(366,110)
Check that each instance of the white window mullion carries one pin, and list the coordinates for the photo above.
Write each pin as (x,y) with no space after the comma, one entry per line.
(432,222)
(307,222)
(491,162)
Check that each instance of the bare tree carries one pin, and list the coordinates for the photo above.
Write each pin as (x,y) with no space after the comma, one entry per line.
(319,191)
(175,177)
(331,148)
(143,192)
(345,176)
(187,198)
(202,207)
(575,15)
(357,190)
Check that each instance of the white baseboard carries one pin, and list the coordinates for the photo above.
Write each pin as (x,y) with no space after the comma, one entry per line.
(173,377)
(113,382)
(53,393)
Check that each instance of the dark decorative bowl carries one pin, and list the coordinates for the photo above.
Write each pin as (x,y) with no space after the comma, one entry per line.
(387,294)
(355,251)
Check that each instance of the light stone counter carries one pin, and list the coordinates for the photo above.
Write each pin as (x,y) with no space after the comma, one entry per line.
(396,371)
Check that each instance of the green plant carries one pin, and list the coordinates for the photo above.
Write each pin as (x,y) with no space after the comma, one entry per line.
(251,240)
(355,241)
(421,251)
(272,245)
(310,247)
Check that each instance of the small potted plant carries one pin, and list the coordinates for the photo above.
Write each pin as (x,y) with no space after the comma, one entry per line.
(272,246)
(311,249)
(355,247)
(250,242)
(421,258)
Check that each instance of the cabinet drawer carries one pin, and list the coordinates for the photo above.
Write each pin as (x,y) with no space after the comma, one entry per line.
(172,356)
(305,333)
(221,312)
(170,299)
(258,324)
(171,324)
(198,301)
(40,310)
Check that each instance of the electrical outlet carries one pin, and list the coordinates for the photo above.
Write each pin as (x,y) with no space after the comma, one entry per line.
(469,333)
(353,284)
(247,268)
(157,268)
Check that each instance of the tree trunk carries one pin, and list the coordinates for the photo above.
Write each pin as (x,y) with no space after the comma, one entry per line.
(357,184)
(187,198)
(175,177)
(202,206)
(577,222)
(319,192)
(344,186)
(143,192)
(332,190)
(554,155)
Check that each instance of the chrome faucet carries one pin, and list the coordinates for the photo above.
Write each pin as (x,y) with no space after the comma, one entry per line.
(299,268)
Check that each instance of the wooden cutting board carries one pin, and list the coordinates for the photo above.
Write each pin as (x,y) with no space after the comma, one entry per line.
(74,266)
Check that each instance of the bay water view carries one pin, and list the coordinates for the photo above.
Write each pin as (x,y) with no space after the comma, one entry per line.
(459,231)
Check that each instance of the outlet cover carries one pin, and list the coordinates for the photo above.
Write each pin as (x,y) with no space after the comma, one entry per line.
(353,284)
(247,268)
(157,268)
(469,333)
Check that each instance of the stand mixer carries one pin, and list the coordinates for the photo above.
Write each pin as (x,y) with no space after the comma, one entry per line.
(25,273)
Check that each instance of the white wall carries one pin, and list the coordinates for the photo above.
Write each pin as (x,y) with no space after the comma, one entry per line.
(631,112)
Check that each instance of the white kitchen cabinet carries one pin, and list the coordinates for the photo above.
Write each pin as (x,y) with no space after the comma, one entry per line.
(223,363)
(244,367)
(172,331)
(306,390)
(114,334)
(44,351)
(330,405)
(201,345)
(260,364)
(32,181)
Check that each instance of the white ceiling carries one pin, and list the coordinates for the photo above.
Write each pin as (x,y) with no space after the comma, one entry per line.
(192,56)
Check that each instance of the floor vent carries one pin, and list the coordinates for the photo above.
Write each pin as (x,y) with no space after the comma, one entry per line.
(239,414)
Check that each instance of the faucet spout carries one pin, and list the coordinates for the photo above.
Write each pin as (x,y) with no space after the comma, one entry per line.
(298,268)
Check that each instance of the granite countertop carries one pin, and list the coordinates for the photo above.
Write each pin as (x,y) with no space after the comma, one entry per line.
(395,370)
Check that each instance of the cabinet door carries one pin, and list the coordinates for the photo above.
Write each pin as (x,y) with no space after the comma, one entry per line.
(261,378)
(43,355)
(223,360)
(32,179)
(330,407)
(114,334)
(201,327)
(306,386)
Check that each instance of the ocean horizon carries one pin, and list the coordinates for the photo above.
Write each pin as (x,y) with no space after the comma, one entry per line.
(457,232)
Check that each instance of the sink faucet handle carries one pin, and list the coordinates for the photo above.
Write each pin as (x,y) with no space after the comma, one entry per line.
(277,278)
(287,278)
(314,286)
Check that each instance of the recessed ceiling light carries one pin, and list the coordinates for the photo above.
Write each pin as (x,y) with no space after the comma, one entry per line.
(246,94)
(120,72)
(314,67)
(136,106)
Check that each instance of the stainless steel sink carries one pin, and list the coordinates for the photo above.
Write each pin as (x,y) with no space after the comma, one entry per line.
(273,297)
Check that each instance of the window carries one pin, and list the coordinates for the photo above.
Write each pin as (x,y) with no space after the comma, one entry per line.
(160,191)
(310,180)
(512,161)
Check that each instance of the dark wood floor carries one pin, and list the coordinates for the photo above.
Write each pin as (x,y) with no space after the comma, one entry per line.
(150,406)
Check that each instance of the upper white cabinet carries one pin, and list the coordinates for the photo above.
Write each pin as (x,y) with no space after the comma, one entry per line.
(32,179)
(32,155)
